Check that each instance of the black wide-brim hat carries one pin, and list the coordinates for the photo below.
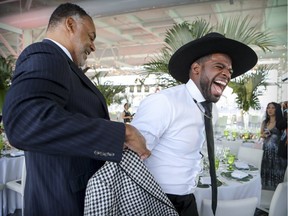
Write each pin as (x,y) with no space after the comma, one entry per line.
(243,57)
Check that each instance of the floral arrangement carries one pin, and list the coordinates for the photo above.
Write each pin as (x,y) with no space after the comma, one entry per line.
(4,144)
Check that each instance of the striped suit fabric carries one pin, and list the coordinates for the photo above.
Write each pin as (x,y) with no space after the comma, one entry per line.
(56,115)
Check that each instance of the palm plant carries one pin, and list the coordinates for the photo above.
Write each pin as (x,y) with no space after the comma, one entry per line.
(175,37)
(108,90)
(234,28)
(6,69)
(246,87)
(182,33)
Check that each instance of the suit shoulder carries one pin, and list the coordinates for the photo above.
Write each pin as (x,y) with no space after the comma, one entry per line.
(39,47)
(39,51)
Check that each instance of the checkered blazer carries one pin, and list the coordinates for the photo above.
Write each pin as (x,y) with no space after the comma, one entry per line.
(126,188)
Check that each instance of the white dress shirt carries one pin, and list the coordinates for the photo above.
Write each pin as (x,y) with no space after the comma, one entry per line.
(62,47)
(173,127)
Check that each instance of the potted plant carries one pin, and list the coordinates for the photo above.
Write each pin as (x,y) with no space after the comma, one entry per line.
(246,88)
(107,88)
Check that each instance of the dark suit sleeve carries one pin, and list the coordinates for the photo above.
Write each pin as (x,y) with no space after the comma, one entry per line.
(50,109)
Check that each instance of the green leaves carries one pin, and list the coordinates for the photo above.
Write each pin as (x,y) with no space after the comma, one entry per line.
(6,68)
(246,87)
(108,90)
(242,30)
(182,33)
(176,37)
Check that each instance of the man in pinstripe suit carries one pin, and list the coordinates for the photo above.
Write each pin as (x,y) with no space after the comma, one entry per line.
(60,119)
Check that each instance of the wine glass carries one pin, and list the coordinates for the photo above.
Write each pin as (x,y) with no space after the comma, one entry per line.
(234,135)
(226,133)
(246,136)
(230,161)
(226,152)
(217,162)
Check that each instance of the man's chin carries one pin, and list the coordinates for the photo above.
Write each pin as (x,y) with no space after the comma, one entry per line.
(214,98)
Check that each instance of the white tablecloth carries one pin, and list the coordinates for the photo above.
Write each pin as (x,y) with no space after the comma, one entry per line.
(232,189)
(10,169)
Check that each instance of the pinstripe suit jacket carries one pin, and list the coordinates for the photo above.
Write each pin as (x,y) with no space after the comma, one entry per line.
(56,114)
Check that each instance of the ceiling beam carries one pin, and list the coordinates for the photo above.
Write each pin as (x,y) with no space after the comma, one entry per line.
(175,16)
(10,28)
(28,4)
(7,1)
(112,30)
(7,45)
(139,23)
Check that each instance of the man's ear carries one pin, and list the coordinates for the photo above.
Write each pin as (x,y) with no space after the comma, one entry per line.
(70,24)
(195,68)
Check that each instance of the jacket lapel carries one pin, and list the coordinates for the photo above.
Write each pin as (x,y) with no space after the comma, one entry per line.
(80,74)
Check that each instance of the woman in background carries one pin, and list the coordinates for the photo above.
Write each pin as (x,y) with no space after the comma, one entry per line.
(282,126)
(126,115)
(273,167)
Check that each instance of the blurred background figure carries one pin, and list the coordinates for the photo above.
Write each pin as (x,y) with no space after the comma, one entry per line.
(282,126)
(273,167)
(126,115)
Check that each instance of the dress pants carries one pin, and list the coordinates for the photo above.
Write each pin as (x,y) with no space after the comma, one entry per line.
(185,204)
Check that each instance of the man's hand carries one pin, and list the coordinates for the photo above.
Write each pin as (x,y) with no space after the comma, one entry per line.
(136,142)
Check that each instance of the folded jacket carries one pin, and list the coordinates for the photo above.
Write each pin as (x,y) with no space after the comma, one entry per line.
(126,188)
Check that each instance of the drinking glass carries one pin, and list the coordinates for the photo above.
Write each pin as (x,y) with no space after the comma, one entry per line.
(234,135)
(226,152)
(246,136)
(226,133)
(217,163)
(230,160)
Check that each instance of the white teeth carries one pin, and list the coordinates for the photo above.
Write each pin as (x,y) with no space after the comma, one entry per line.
(221,82)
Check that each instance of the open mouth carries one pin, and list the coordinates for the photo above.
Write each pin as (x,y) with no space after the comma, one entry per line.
(218,87)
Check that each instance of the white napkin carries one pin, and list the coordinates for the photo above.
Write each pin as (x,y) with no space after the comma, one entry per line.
(238,174)
(205,180)
(241,165)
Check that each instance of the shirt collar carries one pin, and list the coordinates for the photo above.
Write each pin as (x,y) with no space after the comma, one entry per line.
(194,91)
(62,47)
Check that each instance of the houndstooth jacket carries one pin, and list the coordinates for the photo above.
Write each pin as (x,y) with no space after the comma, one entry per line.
(126,188)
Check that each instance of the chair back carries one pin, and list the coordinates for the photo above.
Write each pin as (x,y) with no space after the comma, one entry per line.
(238,207)
(278,206)
(251,155)
(18,185)
(23,178)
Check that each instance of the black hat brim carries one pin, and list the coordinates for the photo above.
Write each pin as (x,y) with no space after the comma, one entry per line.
(242,56)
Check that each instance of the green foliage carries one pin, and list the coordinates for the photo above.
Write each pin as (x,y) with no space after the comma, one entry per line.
(108,90)
(241,30)
(180,34)
(176,37)
(6,69)
(246,87)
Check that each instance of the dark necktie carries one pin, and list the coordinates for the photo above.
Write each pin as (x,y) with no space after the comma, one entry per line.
(210,148)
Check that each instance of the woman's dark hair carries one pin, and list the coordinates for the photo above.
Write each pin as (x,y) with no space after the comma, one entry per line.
(63,11)
(278,112)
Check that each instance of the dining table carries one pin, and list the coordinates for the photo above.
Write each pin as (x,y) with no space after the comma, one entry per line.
(241,181)
(11,163)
